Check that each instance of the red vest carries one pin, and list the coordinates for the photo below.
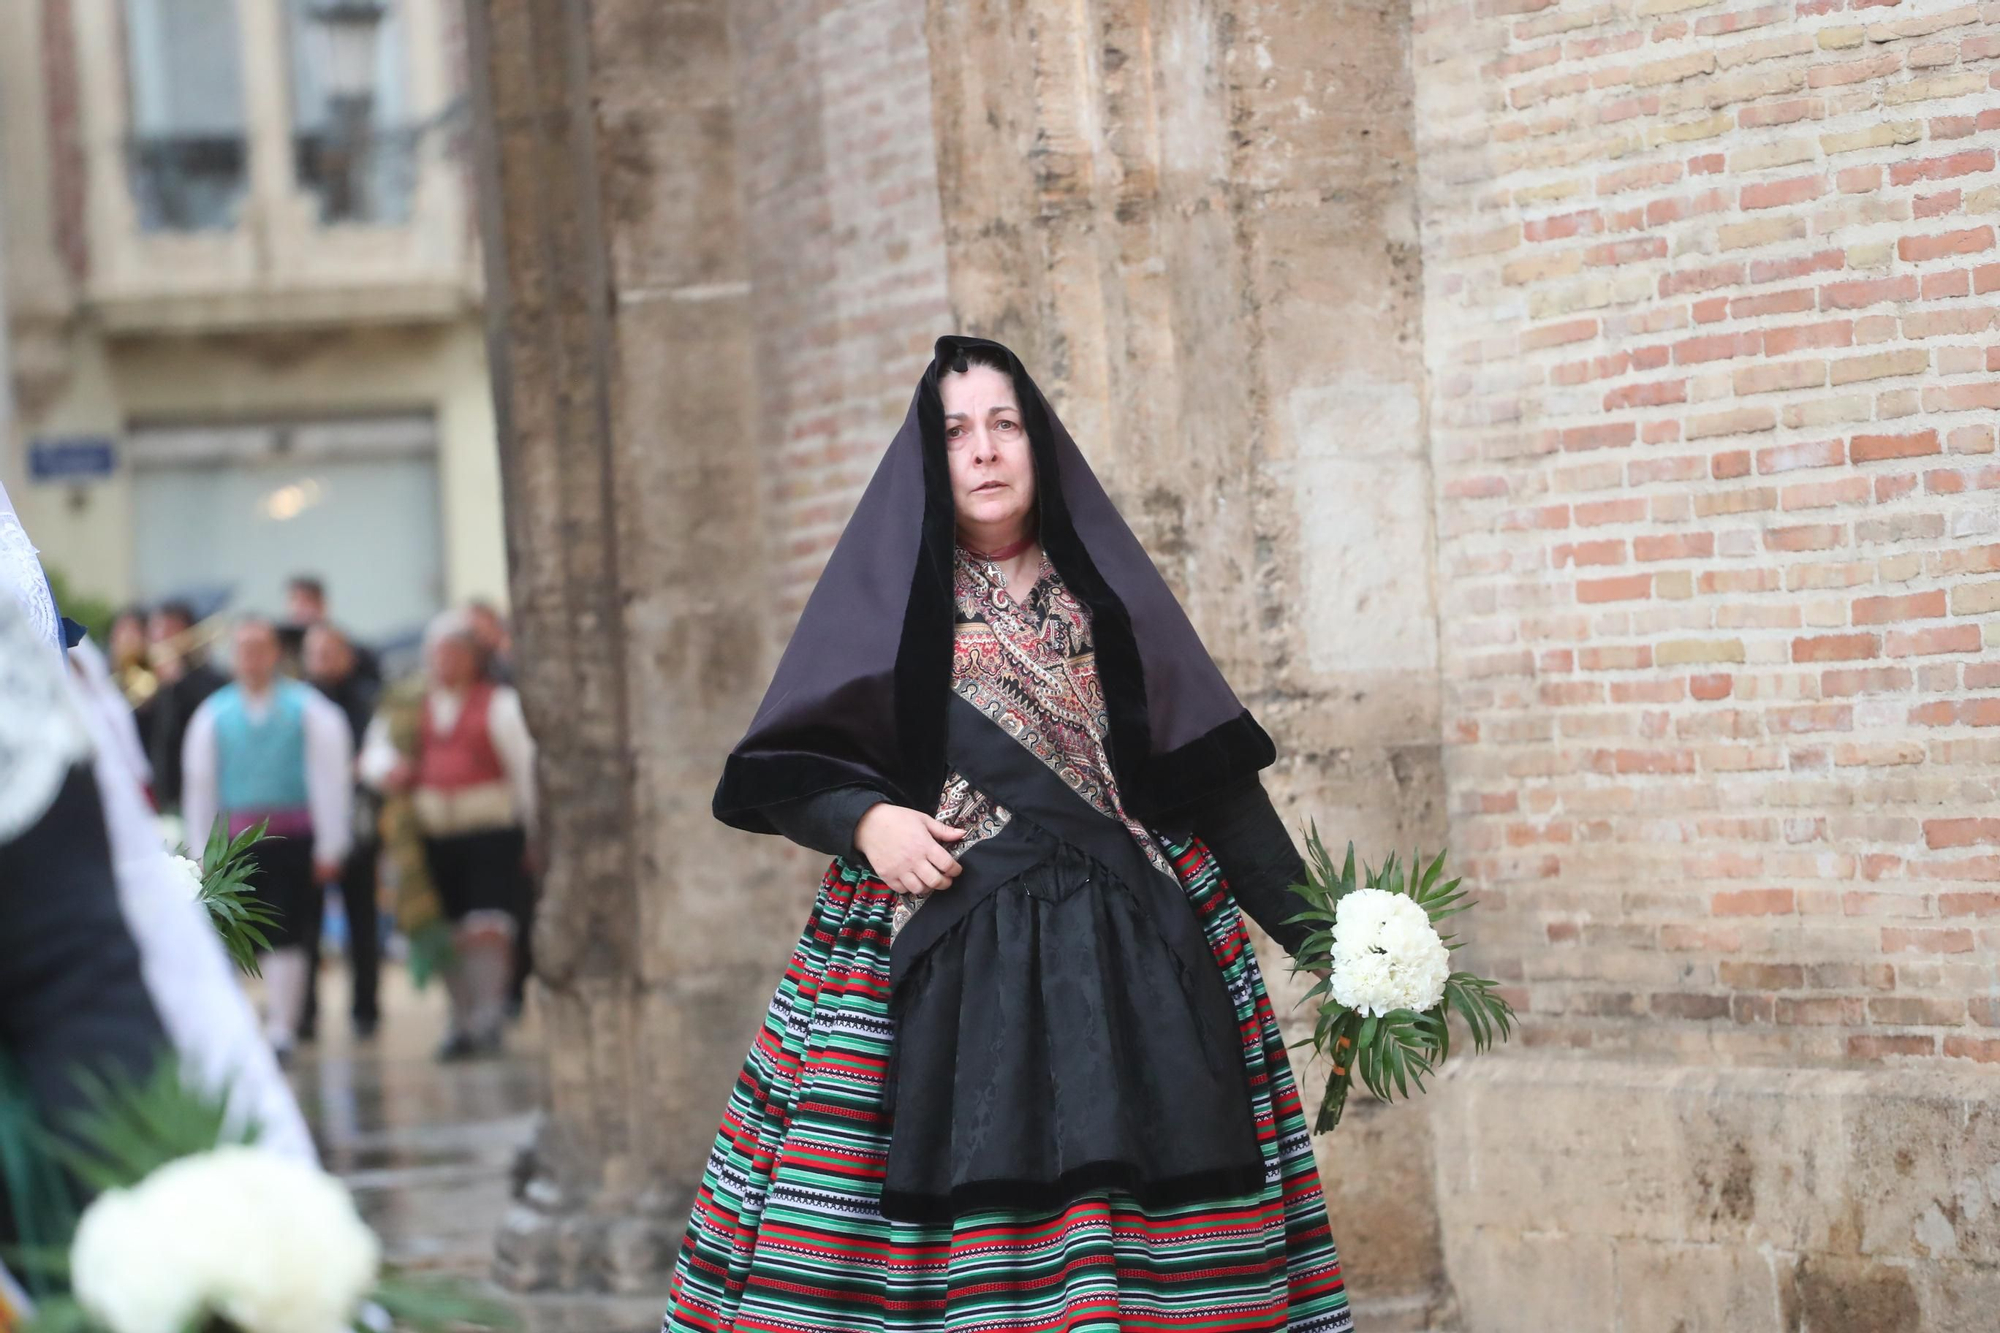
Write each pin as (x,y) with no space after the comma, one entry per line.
(466,757)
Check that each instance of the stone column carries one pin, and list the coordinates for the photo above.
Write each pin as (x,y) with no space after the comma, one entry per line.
(1196,220)
(616,300)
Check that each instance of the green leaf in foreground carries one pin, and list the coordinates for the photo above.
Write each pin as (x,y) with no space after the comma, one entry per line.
(240,916)
(434,1305)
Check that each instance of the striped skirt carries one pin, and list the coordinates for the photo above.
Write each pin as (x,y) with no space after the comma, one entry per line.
(786,1232)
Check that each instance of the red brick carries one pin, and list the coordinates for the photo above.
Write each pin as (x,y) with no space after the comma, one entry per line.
(1761,976)
(1674,546)
(1880,1046)
(1964,832)
(1867,291)
(1652,393)
(1986,1050)
(1799,337)
(1807,537)
(1751,902)
(1609,552)
(1711,686)
(1915,1011)
(1683,1004)
(1925,939)
(1718,347)
(1836,648)
(1811,453)
(1778,194)
(1971,241)
(1819,1010)
(1873,448)
(1623,588)
(1924,642)
(1889,610)
(1865,680)
(1941,168)
(1609,435)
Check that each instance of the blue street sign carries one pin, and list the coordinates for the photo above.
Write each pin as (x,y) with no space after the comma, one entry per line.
(75,458)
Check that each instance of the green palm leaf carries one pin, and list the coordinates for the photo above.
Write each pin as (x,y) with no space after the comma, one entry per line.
(239,915)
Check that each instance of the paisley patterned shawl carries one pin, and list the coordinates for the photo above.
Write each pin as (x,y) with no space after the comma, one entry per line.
(1030,667)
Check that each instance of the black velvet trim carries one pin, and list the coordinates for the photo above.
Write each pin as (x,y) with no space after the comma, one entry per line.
(1202,767)
(751,782)
(923,658)
(1047,1195)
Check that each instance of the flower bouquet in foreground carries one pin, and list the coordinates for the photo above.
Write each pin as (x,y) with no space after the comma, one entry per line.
(1385,975)
(199,1230)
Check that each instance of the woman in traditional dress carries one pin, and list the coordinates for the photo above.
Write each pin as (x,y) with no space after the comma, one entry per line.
(1021,1072)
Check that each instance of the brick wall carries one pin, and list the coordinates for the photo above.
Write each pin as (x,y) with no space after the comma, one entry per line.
(836,156)
(1713,329)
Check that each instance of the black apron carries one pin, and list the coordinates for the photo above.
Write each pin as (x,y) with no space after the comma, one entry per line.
(1061,1024)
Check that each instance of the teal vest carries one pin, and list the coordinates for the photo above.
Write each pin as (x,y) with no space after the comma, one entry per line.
(261,765)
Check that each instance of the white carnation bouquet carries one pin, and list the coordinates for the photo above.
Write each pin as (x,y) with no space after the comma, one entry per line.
(196,1229)
(1385,975)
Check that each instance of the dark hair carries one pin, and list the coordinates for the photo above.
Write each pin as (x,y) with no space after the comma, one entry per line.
(968,357)
(310,584)
(175,610)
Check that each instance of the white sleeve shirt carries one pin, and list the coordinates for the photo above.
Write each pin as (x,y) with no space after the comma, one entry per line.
(329,776)
(200,797)
(508,727)
(379,755)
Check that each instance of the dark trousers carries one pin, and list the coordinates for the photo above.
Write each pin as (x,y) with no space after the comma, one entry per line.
(364,942)
(282,875)
(479,872)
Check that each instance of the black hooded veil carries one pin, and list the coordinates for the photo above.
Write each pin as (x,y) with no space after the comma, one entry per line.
(859,697)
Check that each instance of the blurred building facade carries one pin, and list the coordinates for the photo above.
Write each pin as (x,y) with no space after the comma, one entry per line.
(244,298)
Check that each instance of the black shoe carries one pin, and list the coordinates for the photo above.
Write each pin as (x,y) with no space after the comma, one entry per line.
(458,1046)
(364,1028)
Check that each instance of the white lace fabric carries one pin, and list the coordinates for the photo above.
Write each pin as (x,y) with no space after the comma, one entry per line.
(41,734)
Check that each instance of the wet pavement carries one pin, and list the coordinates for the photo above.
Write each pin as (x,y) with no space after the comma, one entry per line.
(429,1150)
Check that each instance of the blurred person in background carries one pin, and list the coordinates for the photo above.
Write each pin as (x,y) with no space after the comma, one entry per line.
(496,641)
(267,749)
(467,766)
(129,656)
(180,663)
(306,606)
(330,668)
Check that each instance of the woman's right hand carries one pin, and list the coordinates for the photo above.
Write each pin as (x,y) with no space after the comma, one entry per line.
(907,848)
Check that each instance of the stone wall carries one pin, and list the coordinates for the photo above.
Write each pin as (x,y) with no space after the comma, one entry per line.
(1709,320)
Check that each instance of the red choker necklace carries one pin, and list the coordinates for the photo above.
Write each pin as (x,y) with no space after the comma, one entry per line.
(1007,552)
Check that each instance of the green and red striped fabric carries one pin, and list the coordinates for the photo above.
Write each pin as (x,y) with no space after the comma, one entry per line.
(786,1234)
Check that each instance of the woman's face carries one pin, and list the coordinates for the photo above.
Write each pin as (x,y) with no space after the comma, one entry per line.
(992,470)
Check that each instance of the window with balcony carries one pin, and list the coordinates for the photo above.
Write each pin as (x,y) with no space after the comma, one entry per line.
(353,144)
(187,151)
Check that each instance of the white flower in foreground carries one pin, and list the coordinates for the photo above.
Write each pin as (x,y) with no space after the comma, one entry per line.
(1386,954)
(191,871)
(269,1243)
